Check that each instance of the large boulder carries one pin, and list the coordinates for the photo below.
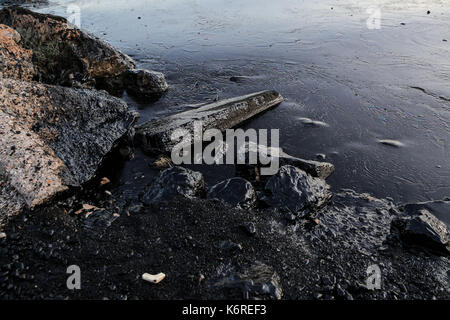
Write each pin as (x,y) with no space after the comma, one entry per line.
(53,138)
(15,61)
(236,192)
(64,54)
(421,228)
(174,182)
(294,189)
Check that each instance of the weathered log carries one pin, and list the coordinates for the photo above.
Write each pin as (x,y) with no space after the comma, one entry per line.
(314,168)
(221,115)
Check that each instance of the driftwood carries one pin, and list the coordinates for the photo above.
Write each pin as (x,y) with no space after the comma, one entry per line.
(155,135)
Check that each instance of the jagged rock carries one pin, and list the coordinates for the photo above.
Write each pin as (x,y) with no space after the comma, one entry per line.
(259,281)
(221,115)
(15,61)
(296,190)
(174,182)
(419,227)
(315,168)
(237,192)
(145,84)
(63,54)
(439,208)
(53,138)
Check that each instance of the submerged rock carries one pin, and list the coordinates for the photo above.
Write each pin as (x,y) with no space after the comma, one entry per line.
(295,189)
(237,192)
(221,115)
(15,61)
(419,227)
(172,183)
(63,54)
(145,84)
(53,138)
(258,281)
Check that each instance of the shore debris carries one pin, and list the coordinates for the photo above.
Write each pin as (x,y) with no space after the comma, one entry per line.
(391,143)
(153,278)
(104,181)
(313,123)
(163,162)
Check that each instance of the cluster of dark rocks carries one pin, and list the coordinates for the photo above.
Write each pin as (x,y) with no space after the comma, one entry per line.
(292,190)
(284,236)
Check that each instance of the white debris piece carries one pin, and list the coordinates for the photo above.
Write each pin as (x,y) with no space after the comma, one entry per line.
(153,278)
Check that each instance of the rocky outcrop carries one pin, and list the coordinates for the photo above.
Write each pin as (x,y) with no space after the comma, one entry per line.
(296,190)
(155,135)
(421,228)
(174,182)
(236,192)
(66,55)
(15,61)
(145,84)
(53,138)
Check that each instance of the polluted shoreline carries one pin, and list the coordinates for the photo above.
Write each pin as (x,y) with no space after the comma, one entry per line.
(65,134)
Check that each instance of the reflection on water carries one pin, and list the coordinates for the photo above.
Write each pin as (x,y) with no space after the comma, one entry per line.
(366,84)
